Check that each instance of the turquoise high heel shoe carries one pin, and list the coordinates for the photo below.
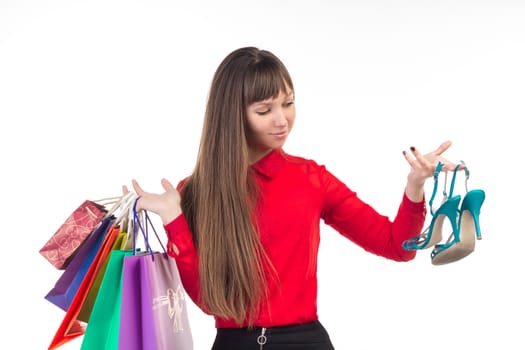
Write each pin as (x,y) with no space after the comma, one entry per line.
(462,242)
(448,209)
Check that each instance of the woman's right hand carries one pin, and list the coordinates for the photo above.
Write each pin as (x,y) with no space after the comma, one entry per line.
(166,205)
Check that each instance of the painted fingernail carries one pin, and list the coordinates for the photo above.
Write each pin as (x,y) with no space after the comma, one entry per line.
(404,153)
(412,148)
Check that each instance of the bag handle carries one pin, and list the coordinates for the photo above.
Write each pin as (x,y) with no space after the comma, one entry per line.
(125,210)
(122,205)
(107,200)
(147,223)
(117,204)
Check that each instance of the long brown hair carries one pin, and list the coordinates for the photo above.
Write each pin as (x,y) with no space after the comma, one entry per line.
(219,198)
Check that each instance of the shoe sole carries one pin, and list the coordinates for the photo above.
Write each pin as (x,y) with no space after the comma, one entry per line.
(461,249)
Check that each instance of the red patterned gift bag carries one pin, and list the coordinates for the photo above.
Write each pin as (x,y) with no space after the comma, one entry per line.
(60,248)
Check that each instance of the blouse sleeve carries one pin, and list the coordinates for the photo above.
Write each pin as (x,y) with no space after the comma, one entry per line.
(344,211)
(182,248)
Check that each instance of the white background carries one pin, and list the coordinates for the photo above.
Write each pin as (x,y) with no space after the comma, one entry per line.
(94,93)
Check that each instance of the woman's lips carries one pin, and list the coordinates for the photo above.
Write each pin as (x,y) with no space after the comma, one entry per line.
(280,135)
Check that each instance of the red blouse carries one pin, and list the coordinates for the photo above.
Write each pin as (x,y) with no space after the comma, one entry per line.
(295,194)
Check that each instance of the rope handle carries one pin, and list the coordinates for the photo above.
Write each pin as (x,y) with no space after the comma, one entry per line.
(137,222)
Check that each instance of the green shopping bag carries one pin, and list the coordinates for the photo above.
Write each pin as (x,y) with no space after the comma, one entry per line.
(102,331)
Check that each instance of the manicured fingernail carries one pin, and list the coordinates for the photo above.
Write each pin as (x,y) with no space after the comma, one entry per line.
(404,153)
(412,148)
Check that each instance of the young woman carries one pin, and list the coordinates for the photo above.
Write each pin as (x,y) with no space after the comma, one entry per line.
(244,226)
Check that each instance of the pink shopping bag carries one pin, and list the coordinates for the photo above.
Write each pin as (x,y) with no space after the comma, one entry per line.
(167,302)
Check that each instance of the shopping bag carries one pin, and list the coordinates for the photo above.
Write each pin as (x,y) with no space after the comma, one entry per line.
(102,331)
(69,282)
(70,327)
(165,295)
(87,306)
(65,241)
(153,305)
(136,324)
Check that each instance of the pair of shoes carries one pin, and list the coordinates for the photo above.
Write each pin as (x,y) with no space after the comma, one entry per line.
(464,222)
(462,241)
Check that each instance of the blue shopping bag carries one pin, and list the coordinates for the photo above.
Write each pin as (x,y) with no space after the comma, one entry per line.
(69,282)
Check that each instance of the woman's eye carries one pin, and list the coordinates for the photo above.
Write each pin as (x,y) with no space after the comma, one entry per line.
(263,112)
(289,103)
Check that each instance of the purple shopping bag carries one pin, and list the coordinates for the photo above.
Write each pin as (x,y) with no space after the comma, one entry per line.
(153,314)
(135,324)
(69,282)
(166,297)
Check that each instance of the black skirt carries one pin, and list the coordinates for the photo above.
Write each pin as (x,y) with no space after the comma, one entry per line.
(308,336)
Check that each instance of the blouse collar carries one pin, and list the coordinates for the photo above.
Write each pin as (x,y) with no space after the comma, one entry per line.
(270,164)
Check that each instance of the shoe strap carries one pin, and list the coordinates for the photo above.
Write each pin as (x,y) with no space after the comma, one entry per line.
(439,166)
(467,175)
(453,180)
(446,195)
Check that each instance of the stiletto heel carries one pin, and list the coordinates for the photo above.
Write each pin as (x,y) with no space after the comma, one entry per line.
(448,209)
(460,244)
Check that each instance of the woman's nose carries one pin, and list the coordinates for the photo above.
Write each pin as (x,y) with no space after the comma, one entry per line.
(280,117)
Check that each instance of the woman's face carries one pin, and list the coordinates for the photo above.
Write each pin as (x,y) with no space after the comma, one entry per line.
(269,122)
